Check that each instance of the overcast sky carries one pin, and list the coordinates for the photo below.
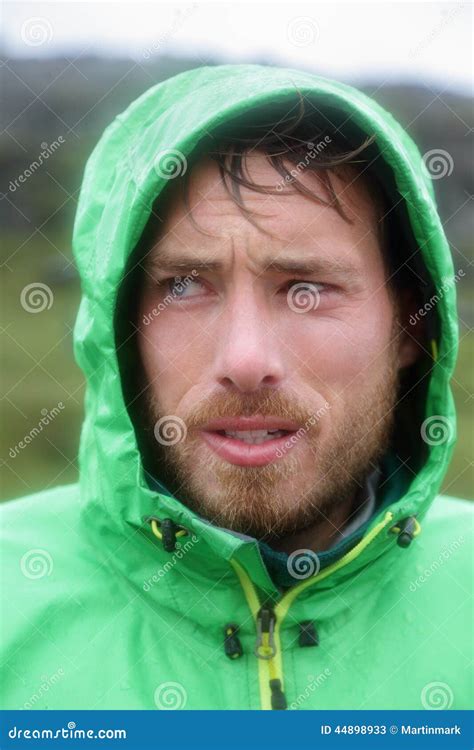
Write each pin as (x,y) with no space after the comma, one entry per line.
(428,41)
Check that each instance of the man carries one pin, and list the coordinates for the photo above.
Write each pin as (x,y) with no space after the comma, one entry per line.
(268,419)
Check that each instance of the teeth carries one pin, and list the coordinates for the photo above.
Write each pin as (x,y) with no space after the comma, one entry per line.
(255,437)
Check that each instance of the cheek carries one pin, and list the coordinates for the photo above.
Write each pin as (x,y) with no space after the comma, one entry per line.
(174,351)
(346,351)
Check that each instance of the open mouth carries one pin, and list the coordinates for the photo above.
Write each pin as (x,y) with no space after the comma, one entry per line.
(250,441)
(254,437)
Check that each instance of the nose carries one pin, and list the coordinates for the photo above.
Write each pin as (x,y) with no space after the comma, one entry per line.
(249,352)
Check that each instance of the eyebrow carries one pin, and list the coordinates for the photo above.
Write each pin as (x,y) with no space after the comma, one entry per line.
(166,261)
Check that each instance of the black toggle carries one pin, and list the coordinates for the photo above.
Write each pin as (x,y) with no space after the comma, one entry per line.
(308,634)
(407,528)
(278,696)
(232,645)
(168,532)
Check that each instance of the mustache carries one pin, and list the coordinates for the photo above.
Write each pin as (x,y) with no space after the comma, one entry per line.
(237,404)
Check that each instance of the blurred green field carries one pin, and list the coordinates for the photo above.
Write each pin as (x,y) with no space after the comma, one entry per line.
(48,99)
(39,373)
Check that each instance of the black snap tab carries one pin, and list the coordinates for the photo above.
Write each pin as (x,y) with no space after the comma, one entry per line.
(232,645)
(308,634)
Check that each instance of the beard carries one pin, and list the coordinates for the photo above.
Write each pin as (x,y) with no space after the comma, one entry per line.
(303,488)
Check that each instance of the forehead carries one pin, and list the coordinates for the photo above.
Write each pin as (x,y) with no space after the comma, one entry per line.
(287,218)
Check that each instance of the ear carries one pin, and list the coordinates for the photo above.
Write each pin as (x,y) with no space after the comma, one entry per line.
(412,328)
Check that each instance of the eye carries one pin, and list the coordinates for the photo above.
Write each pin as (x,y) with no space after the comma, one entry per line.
(181,287)
(303,295)
(304,284)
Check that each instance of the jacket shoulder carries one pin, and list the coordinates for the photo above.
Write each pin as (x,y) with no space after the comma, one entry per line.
(449,512)
(36,501)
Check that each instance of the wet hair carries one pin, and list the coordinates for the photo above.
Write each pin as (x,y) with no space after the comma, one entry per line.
(295,142)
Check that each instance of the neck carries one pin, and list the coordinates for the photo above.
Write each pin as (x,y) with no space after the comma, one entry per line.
(320,535)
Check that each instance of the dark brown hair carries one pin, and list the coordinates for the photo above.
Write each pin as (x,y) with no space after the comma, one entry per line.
(298,141)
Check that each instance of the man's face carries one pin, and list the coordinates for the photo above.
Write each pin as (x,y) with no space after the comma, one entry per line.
(294,332)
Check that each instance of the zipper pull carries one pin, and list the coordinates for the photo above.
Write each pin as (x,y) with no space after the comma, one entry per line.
(278,696)
(265,646)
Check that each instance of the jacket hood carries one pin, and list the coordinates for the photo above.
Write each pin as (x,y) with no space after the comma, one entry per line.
(120,186)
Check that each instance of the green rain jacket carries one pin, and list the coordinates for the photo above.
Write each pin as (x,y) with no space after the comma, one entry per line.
(119,597)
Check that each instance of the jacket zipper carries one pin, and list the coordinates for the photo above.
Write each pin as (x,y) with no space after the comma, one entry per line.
(268,618)
(265,648)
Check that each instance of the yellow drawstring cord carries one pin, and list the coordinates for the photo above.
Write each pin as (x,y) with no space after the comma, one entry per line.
(156,530)
(416,530)
(434,349)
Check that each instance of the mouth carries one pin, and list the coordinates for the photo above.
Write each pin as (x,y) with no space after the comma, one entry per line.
(250,441)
